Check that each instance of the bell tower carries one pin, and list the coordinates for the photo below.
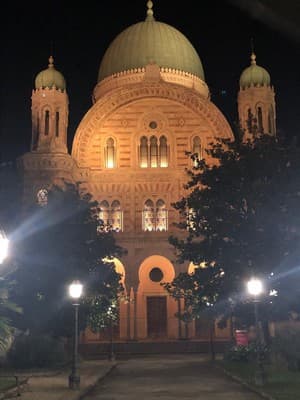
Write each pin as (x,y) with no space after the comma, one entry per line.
(48,161)
(256,102)
(50,109)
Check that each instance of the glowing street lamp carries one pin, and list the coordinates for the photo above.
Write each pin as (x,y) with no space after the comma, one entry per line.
(255,289)
(3,246)
(75,292)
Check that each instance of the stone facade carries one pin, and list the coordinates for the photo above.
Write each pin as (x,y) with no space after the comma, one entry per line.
(130,153)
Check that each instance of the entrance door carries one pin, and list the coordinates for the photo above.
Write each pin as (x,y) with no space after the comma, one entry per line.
(157,316)
(202,328)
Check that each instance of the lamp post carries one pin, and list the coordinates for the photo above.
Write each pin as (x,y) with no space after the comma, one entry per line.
(255,289)
(111,356)
(3,246)
(75,291)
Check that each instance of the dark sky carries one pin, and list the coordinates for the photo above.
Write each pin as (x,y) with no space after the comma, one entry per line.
(220,30)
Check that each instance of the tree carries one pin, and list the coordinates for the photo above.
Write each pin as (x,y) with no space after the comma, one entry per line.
(10,195)
(9,211)
(200,294)
(242,216)
(61,241)
(7,307)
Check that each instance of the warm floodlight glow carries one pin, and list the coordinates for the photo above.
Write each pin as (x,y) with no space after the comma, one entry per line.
(110,163)
(255,287)
(75,289)
(3,246)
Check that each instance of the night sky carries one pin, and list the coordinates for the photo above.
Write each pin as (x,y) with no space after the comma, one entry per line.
(220,30)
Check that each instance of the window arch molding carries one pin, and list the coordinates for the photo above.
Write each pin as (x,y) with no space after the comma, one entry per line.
(247,107)
(260,116)
(154,214)
(110,160)
(202,144)
(159,135)
(111,214)
(42,196)
(45,120)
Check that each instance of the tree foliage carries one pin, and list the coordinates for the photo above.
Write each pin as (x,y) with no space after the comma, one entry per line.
(58,243)
(9,212)
(7,308)
(10,196)
(241,216)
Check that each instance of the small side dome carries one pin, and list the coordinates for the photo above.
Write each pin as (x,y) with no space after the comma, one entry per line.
(254,75)
(50,77)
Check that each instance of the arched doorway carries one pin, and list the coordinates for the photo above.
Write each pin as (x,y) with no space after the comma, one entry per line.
(118,330)
(155,309)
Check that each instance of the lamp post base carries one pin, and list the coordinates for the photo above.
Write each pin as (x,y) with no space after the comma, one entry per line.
(74,382)
(260,377)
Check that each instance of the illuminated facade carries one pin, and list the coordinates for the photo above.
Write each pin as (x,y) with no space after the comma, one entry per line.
(151,105)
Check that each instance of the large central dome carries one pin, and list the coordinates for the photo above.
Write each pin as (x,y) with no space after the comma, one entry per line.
(150,41)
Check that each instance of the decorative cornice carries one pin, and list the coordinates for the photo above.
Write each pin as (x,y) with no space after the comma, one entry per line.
(45,161)
(136,75)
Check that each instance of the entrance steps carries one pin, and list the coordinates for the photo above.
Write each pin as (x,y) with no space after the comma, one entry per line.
(94,350)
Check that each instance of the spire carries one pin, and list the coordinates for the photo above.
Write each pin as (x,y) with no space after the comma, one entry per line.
(253,59)
(149,11)
(51,62)
(253,56)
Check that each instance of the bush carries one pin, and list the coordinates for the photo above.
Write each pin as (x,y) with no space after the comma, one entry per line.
(286,346)
(32,351)
(246,353)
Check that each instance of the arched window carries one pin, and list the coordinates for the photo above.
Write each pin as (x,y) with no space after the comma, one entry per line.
(155,219)
(260,120)
(36,133)
(110,153)
(148,216)
(197,150)
(153,152)
(249,120)
(144,152)
(271,122)
(42,197)
(104,212)
(57,124)
(161,216)
(116,216)
(163,152)
(47,116)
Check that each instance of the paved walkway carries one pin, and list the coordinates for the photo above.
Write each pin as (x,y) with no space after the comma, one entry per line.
(169,378)
(54,386)
(150,377)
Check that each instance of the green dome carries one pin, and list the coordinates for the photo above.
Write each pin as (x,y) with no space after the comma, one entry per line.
(150,41)
(254,75)
(50,77)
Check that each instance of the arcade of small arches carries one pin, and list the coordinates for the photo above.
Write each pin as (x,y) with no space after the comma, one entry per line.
(43,126)
(257,121)
(154,152)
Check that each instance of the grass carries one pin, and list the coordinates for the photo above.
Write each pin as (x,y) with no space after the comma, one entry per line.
(281,383)
(7,383)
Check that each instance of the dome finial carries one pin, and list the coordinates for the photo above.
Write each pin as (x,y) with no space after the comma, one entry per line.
(253,56)
(51,62)
(149,11)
